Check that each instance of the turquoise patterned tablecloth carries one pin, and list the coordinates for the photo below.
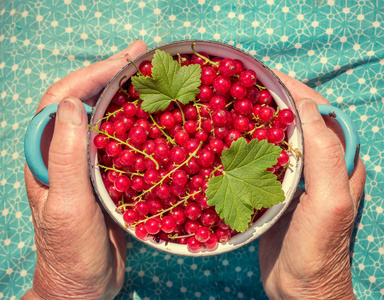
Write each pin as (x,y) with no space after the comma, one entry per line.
(336,47)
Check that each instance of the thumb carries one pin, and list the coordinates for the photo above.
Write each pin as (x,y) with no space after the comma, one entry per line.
(325,171)
(67,160)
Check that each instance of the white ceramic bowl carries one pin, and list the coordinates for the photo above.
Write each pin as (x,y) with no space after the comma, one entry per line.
(281,96)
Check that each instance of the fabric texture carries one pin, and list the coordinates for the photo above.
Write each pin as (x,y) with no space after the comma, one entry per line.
(336,47)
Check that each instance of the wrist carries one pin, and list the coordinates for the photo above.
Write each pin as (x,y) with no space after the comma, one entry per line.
(31,294)
(320,286)
(312,293)
(50,284)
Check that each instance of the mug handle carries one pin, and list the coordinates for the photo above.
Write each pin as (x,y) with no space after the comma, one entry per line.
(32,141)
(352,142)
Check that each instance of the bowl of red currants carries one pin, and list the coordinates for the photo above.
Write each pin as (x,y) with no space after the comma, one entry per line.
(195,148)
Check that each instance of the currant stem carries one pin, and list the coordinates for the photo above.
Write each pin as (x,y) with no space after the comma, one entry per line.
(255,215)
(138,71)
(168,174)
(122,206)
(218,168)
(260,87)
(181,111)
(290,149)
(207,60)
(229,104)
(126,144)
(283,169)
(183,200)
(173,237)
(256,127)
(118,170)
(171,140)
(198,107)
(180,59)
(107,116)
(161,212)
(121,85)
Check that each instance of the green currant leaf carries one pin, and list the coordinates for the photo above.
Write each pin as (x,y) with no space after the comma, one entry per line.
(246,184)
(169,82)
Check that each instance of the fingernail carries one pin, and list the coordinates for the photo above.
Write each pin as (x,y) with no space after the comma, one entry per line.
(309,112)
(69,112)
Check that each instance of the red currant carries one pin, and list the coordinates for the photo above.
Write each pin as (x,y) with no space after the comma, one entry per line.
(120,98)
(247,78)
(142,208)
(193,244)
(208,74)
(283,158)
(153,225)
(178,155)
(146,68)
(168,224)
(265,97)
(140,231)
(212,242)
(243,106)
(227,67)
(209,217)
(177,213)
(222,84)
(122,183)
(206,158)
(266,113)
(275,135)
(137,135)
(167,120)
(113,148)
(130,216)
(286,116)
(100,141)
(190,226)
(238,91)
(193,211)
(180,177)
(202,234)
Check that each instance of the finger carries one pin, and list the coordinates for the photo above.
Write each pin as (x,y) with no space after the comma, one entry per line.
(67,158)
(87,82)
(300,90)
(357,183)
(325,171)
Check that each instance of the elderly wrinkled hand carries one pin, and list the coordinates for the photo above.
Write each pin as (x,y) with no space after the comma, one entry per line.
(306,254)
(80,254)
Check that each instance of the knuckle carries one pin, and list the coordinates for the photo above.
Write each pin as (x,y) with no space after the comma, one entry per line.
(343,210)
(55,92)
(328,149)
(326,142)
(59,220)
(51,94)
